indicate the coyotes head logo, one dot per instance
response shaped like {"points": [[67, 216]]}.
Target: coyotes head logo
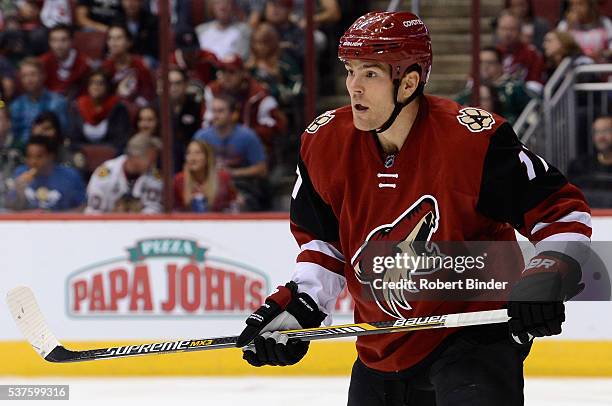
{"points": [[408, 234]]}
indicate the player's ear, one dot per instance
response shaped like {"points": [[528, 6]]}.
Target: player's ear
{"points": [[409, 84]]}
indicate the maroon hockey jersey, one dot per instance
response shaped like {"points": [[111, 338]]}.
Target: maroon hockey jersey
{"points": [[461, 175]]}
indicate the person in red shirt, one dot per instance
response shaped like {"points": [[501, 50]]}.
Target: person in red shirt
{"points": [[201, 186], [402, 172], [132, 79], [198, 63], [66, 70], [522, 61]]}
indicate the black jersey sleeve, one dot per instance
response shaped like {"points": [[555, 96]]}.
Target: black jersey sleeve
{"points": [[520, 188]]}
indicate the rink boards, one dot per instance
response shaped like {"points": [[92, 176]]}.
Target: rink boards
{"points": [[106, 281]]}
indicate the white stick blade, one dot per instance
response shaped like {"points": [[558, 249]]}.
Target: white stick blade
{"points": [[26, 313]]}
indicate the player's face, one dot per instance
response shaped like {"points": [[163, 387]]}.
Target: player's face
{"points": [[371, 90], [195, 158], [602, 134], [60, 43]]}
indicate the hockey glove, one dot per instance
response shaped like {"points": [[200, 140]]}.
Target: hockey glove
{"points": [[285, 309], [536, 301]]}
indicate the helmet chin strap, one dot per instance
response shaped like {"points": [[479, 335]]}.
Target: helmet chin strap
{"points": [[399, 105]]}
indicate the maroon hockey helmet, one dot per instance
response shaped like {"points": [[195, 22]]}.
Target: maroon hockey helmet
{"points": [[400, 39]]}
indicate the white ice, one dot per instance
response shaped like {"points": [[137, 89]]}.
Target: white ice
{"points": [[299, 391]]}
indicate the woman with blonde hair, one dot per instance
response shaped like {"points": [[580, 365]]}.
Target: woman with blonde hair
{"points": [[201, 186]]}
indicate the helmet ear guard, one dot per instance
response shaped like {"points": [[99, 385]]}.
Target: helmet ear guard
{"points": [[399, 105]]}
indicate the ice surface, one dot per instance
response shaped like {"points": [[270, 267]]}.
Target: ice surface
{"points": [[298, 391]]}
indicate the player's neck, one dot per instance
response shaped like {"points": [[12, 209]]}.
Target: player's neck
{"points": [[394, 137]]}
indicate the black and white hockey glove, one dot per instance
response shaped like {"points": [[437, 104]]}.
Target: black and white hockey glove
{"points": [[285, 309], [536, 301]]}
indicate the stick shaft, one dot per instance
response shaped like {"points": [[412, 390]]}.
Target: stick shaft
{"points": [[30, 321]]}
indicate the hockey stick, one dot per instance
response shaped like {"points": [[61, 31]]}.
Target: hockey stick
{"points": [[22, 305]]}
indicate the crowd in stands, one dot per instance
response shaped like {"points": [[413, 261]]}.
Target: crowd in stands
{"points": [[80, 102], [80, 96], [526, 52]]}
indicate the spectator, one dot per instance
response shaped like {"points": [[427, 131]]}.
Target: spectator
{"points": [[533, 28], [13, 41], [99, 116], [523, 61], [47, 125], [66, 69], [186, 114], [201, 186], [327, 12], [43, 184], [143, 29], [593, 173], [129, 182], [224, 36], [512, 93], [238, 149], [35, 99], [180, 13], [97, 15], [9, 156], [147, 121], [131, 78], [489, 99], [282, 76], [31, 25], [592, 31], [278, 13], [559, 45], [256, 108], [198, 63], [56, 12], [7, 88]]}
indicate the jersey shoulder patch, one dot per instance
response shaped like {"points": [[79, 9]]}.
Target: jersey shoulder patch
{"points": [[475, 119], [102, 172], [320, 121]]}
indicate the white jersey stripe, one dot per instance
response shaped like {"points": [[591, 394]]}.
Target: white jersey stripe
{"points": [[575, 216], [321, 284], [324, 248]]}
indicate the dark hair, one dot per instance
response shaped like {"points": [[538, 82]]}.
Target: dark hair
{"points": [[123, 27], [49, 144], [498, 54], [50, 117], [229, 100], [497, 104], [62, 27], [154, 110], [108, 82]]}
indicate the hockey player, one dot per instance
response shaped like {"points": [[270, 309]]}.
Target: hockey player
{"points": [[397, 162]]}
